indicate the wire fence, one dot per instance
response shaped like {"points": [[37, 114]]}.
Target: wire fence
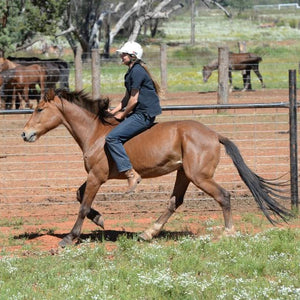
{"points": [[46, 175], [183, 71]]}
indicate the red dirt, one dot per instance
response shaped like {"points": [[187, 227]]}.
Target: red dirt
{"points": [[44, 224]]}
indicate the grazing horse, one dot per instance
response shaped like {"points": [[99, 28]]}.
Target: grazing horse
{"points": [[187, 147], [20, 80], [237, 62]]}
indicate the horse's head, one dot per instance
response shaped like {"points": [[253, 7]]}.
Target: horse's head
{"points": [[3, 65], [45, 117], [63, 107], [206, 73]]}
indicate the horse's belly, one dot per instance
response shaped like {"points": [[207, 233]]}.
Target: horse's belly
{"points": [[159, 169]]}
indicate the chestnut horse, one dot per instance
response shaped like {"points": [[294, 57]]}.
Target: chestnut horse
{"points": [[187, 147], [57, 69], [19, 80], [6, 64], [237, 62]]}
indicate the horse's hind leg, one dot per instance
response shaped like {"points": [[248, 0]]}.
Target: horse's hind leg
{"points": [[222, 196], [93, 215], [181, 185], [256, 71], [247, 80]]}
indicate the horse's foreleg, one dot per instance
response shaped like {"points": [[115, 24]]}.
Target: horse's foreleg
{"points": [[93, 215], [19, 94], [92, 186], [176, 200], [26, 96], [230, 81]]}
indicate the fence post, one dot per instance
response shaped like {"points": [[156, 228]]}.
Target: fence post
{"points": [[293, 138], [223, 89], [78, 69], [163, 68], [95, 74], [193, 22]]}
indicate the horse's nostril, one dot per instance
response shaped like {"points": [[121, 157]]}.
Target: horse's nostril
{"points": [[23, 136]]}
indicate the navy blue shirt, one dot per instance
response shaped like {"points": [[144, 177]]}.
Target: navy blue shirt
{"points": [[148, 101]]}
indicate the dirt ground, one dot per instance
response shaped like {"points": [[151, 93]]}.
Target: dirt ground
{"points": [[28, 228]]}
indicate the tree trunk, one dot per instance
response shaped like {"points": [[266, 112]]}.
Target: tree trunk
{"points": [[137, 6], [156, 14]]}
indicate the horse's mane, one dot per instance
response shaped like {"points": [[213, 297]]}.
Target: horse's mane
{"points": [[99, 107]]}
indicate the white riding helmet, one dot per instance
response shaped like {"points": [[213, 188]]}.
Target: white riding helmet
{"points": [[132, 48]]}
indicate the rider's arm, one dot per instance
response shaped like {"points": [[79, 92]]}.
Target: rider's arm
{"points": [[130, 105], [121, 105]]}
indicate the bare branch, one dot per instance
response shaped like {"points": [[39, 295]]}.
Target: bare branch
{"points": [[228, 14], [156, 14], [23, 47], [72, 28], [138, 4]]}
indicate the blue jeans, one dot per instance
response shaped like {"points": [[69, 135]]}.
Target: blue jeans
{"points": [[130, 127]]}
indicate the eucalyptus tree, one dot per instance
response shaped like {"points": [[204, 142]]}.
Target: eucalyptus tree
{"points": [[21, 20], [90, 23]]}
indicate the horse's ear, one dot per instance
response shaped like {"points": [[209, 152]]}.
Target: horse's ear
{"points": [[50, 94]]}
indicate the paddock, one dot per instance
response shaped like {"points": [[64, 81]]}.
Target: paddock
{"points": [[39, 181]]}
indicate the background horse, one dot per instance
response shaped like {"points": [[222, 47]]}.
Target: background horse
{"points": [[57, 69], [187, 147], [237, 62], [6, 64], [18, 81]]}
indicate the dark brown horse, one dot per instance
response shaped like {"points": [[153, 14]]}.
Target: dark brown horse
{"points": [[187, 147], [237, 62], [19, 80]]}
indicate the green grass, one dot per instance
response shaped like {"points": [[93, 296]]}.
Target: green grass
{"points": [[260, 266]]}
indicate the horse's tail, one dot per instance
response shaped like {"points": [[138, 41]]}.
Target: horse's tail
{"points": [[265, 192]]}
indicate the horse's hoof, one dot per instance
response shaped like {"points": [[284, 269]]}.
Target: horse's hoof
{"points": [[144, 237], [98, 220], [229, 231], [65, 242]]}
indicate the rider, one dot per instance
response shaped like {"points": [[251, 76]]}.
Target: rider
{"points": [[136, 111]]}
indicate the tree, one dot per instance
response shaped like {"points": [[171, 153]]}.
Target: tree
{"points": [[21, 20], [87, 21]]}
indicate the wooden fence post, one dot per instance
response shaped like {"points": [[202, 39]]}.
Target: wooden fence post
{"points": [[293, 139], [78, 69], [223, 88], [95, 74], [193, 22], [163, 68]]}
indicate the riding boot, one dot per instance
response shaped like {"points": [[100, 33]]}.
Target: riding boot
{"points": [[133, 179]]}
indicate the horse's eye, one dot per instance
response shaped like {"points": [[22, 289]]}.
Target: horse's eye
{"points": [[39, 109]]}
